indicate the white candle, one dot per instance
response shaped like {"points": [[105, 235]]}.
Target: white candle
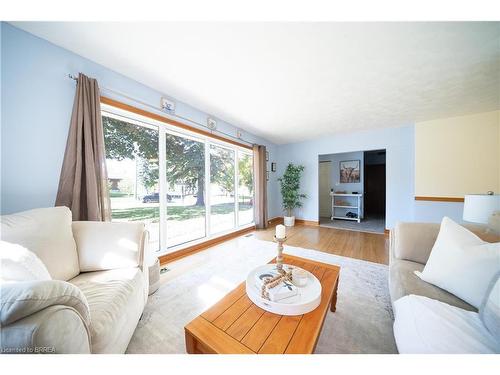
{"points": [[280, 231]]}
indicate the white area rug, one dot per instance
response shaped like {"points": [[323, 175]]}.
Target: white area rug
{"points": [[361, 324]]}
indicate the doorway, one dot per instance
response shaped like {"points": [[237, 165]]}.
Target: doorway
{"points": [[351, 190], [374, 186]]}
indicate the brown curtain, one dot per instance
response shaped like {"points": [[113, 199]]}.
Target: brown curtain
{"points": [[83, 181], [260, 185]]}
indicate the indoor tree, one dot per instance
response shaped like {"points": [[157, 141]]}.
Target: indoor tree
{"points": [[290, 185]]}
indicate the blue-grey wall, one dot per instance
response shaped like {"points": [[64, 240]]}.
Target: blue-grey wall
{"points": [[336, 159], [400, 172], [36, 102], [426, 211], [399, 144]]}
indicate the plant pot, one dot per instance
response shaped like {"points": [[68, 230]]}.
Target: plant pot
{"points": [[289, 221]]}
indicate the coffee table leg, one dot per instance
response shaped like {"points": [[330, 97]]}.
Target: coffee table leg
{"points": [[333, 305], [190, 343]]}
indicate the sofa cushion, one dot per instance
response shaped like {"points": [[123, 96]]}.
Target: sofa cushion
{"points": [[427, 326], [462, 263], [116, 301], [19, 264], [47, 232], [403, 282], [489, 312]]}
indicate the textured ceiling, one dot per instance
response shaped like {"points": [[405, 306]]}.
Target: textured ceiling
{"points": [[289, 82]]}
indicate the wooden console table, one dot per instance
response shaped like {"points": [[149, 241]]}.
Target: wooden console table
{"points": [[235, 325]]}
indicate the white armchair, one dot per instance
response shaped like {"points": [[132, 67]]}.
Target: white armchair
{"points": [[98, 289]]}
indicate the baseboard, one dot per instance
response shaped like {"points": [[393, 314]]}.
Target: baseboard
{"points": [[279, 220], [190, 250], [275, 220], [314, 223]]}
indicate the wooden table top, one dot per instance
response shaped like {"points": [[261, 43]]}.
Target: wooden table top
{"points": [[235, 325]]}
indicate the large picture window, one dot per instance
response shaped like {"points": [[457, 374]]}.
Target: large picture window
{"points": [[222, 190], [245, 188], [185, 175], [185, 186], [133, 177]]}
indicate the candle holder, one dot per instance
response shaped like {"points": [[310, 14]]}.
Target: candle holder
{"points": [[279, 257]]}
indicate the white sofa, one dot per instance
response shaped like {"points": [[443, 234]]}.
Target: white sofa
{"points": [[97, 291], [429, 319]]}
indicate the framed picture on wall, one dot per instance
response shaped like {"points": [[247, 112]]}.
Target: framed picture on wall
{"points": [[349, 171], [273, 167]]}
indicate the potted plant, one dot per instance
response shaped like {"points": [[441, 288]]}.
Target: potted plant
{"points": [[290, 185]]}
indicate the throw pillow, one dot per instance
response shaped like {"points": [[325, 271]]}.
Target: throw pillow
{"points": [[489, 312], [19, 264], [48, 233], [461, 263]]}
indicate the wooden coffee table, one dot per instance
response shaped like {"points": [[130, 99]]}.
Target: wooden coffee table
{"points": [[235, 325]]}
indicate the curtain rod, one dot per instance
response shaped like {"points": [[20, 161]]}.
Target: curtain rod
{"points": [[74, 78]]}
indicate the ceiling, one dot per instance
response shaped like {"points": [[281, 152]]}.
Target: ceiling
{"points": [[289, 82]]}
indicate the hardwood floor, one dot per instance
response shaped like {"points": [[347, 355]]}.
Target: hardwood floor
{"points": [[365, 246], [372, 247]]}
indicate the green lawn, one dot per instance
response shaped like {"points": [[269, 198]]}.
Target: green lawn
{"points": [[119, 194], [174, 213]]}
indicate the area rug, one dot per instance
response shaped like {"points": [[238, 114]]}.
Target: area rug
{"points": [[361, 324]]}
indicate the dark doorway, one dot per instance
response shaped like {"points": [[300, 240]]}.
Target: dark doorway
{"points": [[374, 184]]}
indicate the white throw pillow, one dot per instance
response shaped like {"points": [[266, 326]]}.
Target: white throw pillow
{"points": [[461, 263], [48, 233], [489, 312], [19, 264]]}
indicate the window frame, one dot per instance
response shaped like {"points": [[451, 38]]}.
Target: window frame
{"points": [[237, 182], [163, 128]]}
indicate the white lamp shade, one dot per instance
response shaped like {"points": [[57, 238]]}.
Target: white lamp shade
{"points": [[479, 207]]}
